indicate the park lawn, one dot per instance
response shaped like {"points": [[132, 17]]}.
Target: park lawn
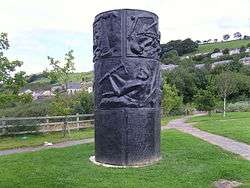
{"points": [[187, 162], [235, 125], [203, 48], [29, 140]]}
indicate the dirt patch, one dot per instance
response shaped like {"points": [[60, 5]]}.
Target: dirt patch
{"points": [[226, 184]]}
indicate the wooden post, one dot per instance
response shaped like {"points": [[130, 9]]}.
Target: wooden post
{"points": [[3, 124], [47, 122], [77, 121]]}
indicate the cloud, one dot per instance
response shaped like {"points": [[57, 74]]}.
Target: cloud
{"points": [[45, 27]]}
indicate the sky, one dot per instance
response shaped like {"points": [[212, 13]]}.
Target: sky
{"points": [[41, 28]]}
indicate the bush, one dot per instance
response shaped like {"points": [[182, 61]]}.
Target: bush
{"points": [[248, 45], [216, 50], [41, 108], [239, 107], [225, 51]]}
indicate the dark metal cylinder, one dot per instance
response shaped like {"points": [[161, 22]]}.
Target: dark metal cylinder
{"points": [[127, 87]]}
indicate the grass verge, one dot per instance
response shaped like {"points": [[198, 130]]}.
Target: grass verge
{"points": [[236, 125]]}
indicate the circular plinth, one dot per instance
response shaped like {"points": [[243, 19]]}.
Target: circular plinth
{"points": [[92, 159]]}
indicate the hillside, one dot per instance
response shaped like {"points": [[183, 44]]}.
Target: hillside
{"points": [[203, 48], [43, 83]]}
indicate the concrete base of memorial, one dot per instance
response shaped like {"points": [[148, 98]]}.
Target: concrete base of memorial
{"points": [[92, 159]]}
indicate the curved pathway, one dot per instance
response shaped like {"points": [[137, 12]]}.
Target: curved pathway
{"points": [[38, 148], [228, 144]]}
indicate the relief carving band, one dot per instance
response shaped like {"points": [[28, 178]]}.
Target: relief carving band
{"points": [[127, 87], [107, 35], [143, 37], [130, 85]]}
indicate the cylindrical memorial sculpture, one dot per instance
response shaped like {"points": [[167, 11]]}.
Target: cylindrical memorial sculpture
{"points": [[127, 87]]}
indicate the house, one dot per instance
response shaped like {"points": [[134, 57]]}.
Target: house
{"points": [[221, 63], [73, 87], [57, 88], [87, 86], [199, 66], [245, 61], [234, 51], [216, 55], [25, 91], [168, 67], [44, 94]]}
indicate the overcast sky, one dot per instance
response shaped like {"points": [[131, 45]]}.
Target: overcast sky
{"points": [[38, 28]]}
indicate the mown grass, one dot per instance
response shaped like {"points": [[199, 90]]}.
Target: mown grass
{"points": [[187, 162], [203, 48], [29, 140], [235, 125]]}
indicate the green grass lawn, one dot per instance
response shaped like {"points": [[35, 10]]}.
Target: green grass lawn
{"points": [[221, 45], [235, 125], [29, 140], [187, 162]]}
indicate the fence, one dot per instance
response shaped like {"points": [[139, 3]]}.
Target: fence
{"points": [[26, 125]]}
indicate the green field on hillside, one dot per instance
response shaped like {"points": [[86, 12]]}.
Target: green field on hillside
{"points": [[186, 162], [221, 45], [235, 125]]}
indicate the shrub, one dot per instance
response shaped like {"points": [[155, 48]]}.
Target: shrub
{"points": [[225, 51], [248, 45], [239, 106]]}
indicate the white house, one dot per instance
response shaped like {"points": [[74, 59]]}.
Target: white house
{"points": [[234, 51], [245, 61], [221, 63], [73, 87], [199, 66], [168, 67], [216, 55]]}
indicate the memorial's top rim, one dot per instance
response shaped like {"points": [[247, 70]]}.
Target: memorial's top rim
{"points": [[124, 9]]}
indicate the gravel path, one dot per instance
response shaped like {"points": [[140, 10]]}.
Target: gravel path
{"points": [[58, 145], [228, 144]]}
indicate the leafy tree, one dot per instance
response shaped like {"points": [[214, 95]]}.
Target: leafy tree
{"points": [[61, 71], [10, 80], [225, 51], [170, 99], [182, 47], [237, 35], [84, 103], [226, 37], [205, 101], [242, 49], [226, 85], [61, 105], [170, 57]]}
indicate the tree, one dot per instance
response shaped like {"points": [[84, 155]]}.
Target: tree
{"points": [[205, 101], [171, 100], [226, 85], [4, 43], [61, 72], [215, 40], [84, 103], [182, 47], [10, 80], [226, 37], [170, 57], [237, 35]]}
